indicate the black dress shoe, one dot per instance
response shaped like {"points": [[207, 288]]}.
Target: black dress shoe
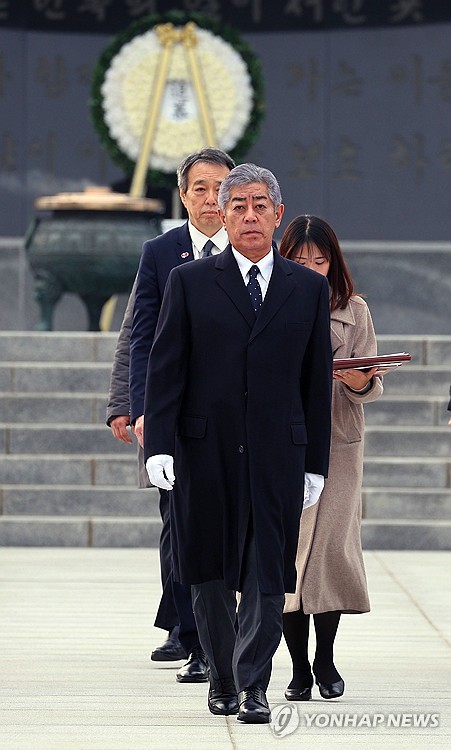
{"points": [[170, 650], [253, 706], [298, 694], [334, 690], [222, 697], [196, 668]]}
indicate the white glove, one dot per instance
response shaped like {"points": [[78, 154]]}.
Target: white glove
{"points": [[313, 487], [161, 471]]}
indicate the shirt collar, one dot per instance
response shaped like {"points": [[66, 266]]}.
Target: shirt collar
{"points": [[199, 239], [265, 264]]}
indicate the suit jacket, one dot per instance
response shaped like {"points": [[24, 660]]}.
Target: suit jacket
{"points": [[118, 395], [159, 256], [244, 406]]}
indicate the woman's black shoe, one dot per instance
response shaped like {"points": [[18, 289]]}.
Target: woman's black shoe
{"points": [[328, 679], [334, 690]]}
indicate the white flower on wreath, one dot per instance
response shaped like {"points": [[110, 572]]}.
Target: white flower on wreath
{"points": [[127, 92]]}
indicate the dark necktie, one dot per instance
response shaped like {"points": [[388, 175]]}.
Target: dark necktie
{"points": [[207, 248], [254, 289]]}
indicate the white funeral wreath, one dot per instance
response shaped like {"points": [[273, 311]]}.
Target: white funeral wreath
{"points": [[127, 90]]}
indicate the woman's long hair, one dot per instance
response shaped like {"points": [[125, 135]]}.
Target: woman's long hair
{"points": [[309, 231]]}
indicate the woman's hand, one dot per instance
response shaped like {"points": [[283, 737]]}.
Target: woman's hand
{"points": [[355, 379]]}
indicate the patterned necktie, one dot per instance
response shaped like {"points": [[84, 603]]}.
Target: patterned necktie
{"points": [[254, 289], [207, 248]]}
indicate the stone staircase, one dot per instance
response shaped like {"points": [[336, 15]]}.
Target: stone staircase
{"points": [[64, 480], [407, 472]]}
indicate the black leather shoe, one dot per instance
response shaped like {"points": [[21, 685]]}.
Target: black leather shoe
{"points": [[195, 669], [334, 690], [253, 706], [170, 650], [222, 697], [298, 694]]}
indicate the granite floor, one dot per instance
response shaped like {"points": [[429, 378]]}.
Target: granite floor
{"points": [[76, 627]]}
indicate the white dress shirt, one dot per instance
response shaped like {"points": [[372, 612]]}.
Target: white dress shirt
{"points": [[265, 266], [198, 239]]}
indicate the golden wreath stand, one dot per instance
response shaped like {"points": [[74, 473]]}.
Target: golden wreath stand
{"points": [[168, 36]]}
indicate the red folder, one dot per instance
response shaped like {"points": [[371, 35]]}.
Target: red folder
{"points": [[384, 362]]}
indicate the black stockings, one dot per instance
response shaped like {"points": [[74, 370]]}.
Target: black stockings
{"points": [[326, 625], [296, 632]]}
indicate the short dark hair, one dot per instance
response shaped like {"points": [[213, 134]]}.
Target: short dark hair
{"points": [[209, 154], [308, 231], [245, 174]]}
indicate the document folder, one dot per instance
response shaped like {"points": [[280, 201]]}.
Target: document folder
{"points": [[384, 362]]}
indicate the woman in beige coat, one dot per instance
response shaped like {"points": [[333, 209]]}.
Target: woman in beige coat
{"points": [[331, 575]]}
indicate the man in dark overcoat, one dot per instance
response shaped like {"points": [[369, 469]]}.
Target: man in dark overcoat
{"points": [[237, 410]]}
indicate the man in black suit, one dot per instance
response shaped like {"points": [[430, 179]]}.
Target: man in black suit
{"points": [[199, 177], [237, 409]]}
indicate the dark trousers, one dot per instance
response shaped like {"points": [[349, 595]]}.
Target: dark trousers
{"points": [[167, 616], [244, 653]]}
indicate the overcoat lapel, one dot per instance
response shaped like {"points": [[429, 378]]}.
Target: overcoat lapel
{"points": [[338, 320], [280, 287], [231, 281]]}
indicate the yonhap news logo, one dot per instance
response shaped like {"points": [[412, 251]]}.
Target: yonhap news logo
{"points": [[286, 719]]}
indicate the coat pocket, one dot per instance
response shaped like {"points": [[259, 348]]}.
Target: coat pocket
{"points": [[192, 427], [347, 420], [299, 434]]}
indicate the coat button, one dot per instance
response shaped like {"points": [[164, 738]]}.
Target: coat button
{"points": [[241, 449]]}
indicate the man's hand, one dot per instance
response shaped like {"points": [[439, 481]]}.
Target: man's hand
{"points": [[313, 487], [119, 428], [138, 430], [161, 471]]}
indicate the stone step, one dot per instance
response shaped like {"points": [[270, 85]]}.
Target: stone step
{"points": [[407, 535], [73, 531], [58, 408], [62, 439], [94, 378], [79, 408], [426, 350], [407, 410], [32, 377], [110, 469], [80, 346], [411, 379], [79, 469], [97, 439], [414, 503], [408, 441], [75, 500], [406, 472], [57, 346]]}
